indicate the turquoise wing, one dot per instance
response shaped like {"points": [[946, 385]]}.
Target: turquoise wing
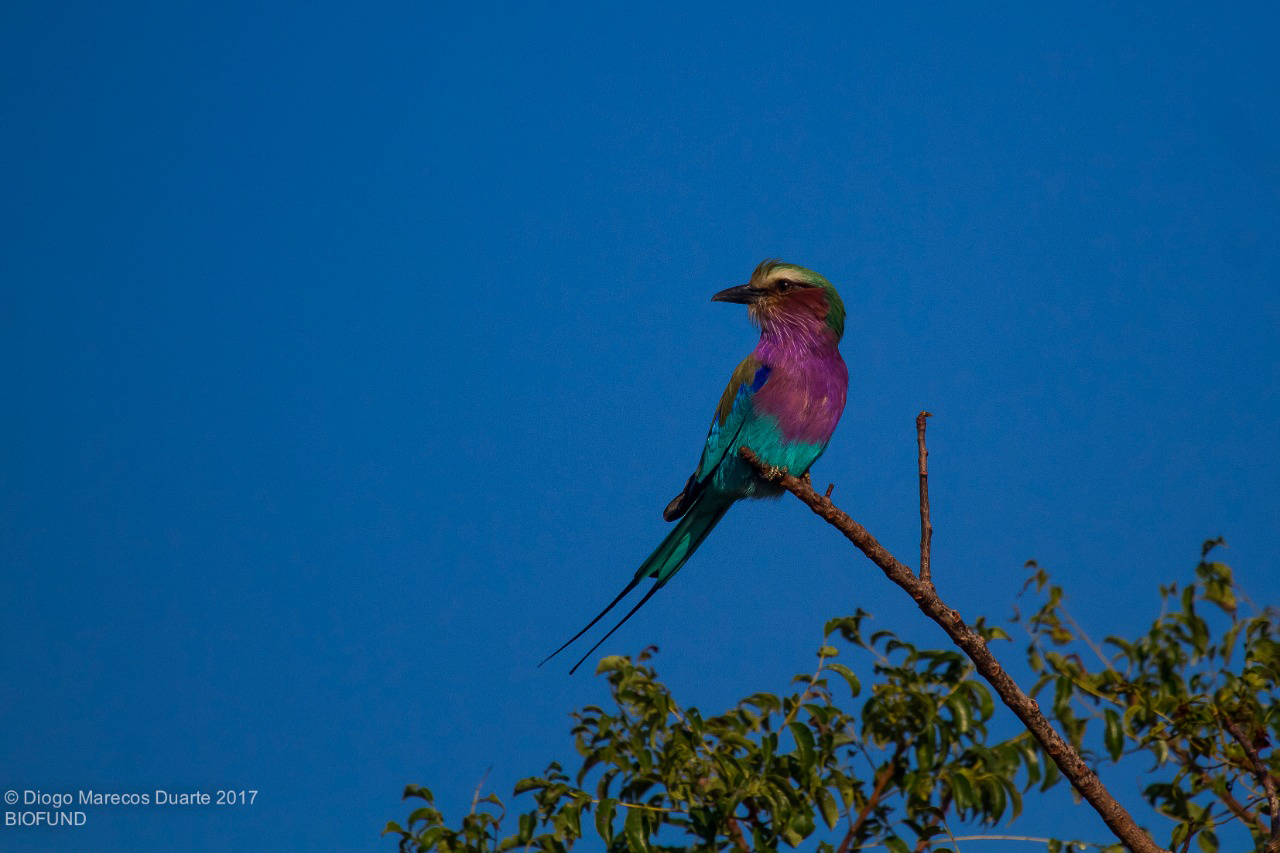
{"points": [[720, 466], [733, 415]]}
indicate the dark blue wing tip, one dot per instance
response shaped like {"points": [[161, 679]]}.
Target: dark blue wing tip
{"points": [[761, 377]]}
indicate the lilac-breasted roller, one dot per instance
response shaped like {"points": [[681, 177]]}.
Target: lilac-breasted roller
{"points": [[783, 401]]}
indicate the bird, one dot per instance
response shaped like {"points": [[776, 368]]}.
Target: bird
{"points": [[783, 401]]}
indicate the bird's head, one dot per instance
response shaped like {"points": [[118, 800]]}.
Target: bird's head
{"points": [[780, 294]]}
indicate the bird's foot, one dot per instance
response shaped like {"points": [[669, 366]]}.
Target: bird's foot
{"points": [[773, 473]]}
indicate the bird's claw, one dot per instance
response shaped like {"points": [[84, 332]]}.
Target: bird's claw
{"points": [[775, 473]]}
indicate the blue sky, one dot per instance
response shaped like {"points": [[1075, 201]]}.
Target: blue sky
{"points": [[351, 355]]}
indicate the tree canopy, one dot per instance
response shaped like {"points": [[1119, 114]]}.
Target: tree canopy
{"points": [[845, 766]]}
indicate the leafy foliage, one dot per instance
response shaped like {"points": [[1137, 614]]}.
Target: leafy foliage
{"points": [[1195, 695], [829, 767]]}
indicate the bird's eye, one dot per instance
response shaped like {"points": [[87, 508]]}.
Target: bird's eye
{"points": [[784, 286]]}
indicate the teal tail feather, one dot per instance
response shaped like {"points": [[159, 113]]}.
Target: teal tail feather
{"points": [[662, 564]]}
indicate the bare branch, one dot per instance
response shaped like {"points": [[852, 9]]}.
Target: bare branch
{"points": [[926, 527], [1073, 767], [1264, 777]]}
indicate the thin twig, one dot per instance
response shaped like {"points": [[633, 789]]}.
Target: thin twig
{"points": [[1073, 767], [735, 832], [475, 798], [925, 841], [1237, 808], [882, 781], [644, 807], [790, 717], [1191, 834], [1084, 635], [926, 527], [1264, 776], [997, 838]]}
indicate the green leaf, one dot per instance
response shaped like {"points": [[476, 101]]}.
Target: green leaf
{"points": [[802, 823], [962, 789], [530, 784], [828, 651], [420, 791], [1113, 734], [604, 818], [960, 710], [804, 744], [827, 805], [855, 687], [634, 830], [611, 663]]}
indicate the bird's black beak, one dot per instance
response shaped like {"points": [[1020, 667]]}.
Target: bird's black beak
{"points": [[743, 294]]}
